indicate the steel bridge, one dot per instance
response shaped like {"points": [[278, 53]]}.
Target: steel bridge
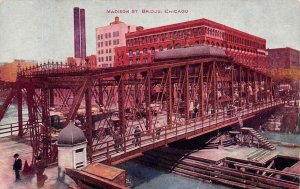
{"points": [[182, 94]]}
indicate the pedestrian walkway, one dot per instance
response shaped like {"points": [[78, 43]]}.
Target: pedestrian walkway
{"points": [[11, 145]]}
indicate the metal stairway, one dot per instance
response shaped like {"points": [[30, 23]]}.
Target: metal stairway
{"points": [[262, 140]]}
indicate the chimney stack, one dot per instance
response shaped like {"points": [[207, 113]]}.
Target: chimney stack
{"points": [[79, 33], [76, 33], [82, 33]]}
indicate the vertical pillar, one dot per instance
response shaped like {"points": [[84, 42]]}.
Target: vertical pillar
{"points": [[148, 102], [31, 122], [89, 124], [51, 91], [186, 95], [169, 97], [214, 87], [232, 83], [45, 130], [76, 33], [20, 114], [121, 103], [259, 88], [200, 92], [254, 87], [247, 87], [240, 87], [82, 33], [266, 89], [271, 90], [100, 94]]}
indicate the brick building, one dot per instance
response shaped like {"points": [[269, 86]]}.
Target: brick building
{"points": [[109, 37], [142, 44], [284, 58]]}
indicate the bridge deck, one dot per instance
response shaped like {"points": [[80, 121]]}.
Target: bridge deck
{"points": [[106, 152]]}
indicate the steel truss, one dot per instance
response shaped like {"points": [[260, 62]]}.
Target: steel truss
{"points": [[172, 93]]}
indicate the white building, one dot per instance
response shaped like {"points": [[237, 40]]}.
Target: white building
{"points": [[109, 37]]}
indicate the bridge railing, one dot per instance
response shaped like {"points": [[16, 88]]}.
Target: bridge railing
{"points": [[51, 68], [12, 128], [114, 147]]}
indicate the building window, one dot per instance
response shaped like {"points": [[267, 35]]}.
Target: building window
{"points": [[101, 51], [98, 52], [161, 48], [137, 51], [152, 49], [109, 50], [169, 47], [105, 35], [138, 61], [101, 44], [98, 37], [99, 59], [106, 43], [106, 51], [106, 58], [101, 36], [109, 35], [130, 61], [102, 59], [109, 42], [98, 44], [109, 58], [144, 51], [130, 52]]}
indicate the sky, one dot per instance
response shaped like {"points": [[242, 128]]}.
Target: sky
{"points": [[42, 30]]}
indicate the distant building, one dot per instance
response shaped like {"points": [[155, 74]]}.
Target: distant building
{"points": [[109, 37], [142, 45], [8, 71], [284, 58]]}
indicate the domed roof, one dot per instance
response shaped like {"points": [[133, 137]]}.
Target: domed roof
{"points": [[190, 52], [70, 136]]}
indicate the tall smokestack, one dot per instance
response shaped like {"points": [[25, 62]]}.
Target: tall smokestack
{"points": [[76, 33], [82, 33]]}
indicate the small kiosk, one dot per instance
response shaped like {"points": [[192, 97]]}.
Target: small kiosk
{"points": [[72, 145]]}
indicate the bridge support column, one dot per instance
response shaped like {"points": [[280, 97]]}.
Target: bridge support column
{"points": [[31, 122], [232, 83], [51, 91], [89, 124], [100, 94], [148, 101], [186, 96], [121, 103], [214, 87], [45, 131], [254, 87], [169, 97], [247, 87], [240, 87], [200, 92], [20, 114]]}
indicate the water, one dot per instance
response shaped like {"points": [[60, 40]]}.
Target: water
{"points": [[143, 177], [283, 137], [11, 116]]}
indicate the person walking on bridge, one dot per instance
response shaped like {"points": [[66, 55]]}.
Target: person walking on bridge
{"points": [[17, 167], [137, 136]]}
